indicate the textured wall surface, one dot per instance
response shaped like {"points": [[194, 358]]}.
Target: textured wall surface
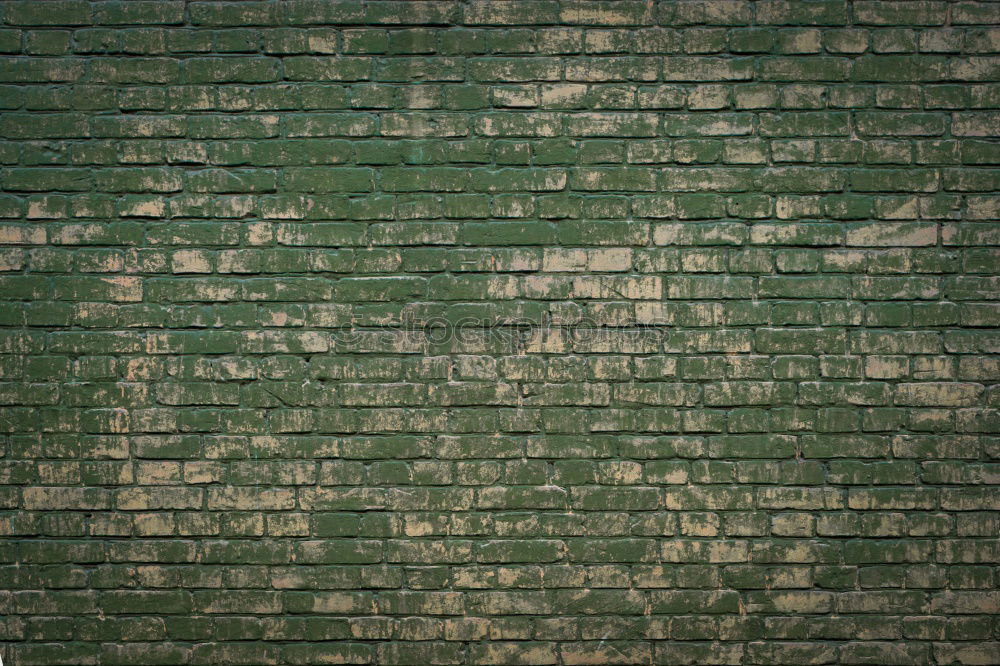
{"points": [[519, 332]]}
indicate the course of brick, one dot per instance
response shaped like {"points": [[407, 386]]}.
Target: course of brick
{"points": [[512, 332]]}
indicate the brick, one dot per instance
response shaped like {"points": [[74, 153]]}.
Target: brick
{"points": [[797, 12], [892, 234], [60, 13], [515, 332], [511, 12], [704, 68], [938, 393], [878, 12]]}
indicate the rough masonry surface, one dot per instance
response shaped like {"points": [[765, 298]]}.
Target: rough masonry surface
{"points": [[512, 332]]}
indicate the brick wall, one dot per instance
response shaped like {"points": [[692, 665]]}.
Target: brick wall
{"points": [[514, 332]]}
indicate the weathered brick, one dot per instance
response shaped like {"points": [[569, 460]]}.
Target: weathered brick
{"points": [[515, 332]]}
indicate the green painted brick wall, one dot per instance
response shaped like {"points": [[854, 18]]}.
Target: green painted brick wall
{"points": [[513, 332]]}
